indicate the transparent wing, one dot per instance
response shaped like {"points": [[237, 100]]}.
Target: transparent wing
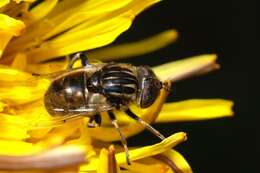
{"points": [[56, 121], [51, 76], [37, 122], [71, 115]]}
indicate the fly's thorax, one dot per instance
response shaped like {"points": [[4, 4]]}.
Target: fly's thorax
{"points": [[117, 82]]}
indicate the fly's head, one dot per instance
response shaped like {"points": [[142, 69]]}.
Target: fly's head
{"points": [[149, 87]]}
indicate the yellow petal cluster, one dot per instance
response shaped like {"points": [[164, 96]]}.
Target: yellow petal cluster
{"points": [[80, 25], [9, 27], [140, 156], [31, 140]]}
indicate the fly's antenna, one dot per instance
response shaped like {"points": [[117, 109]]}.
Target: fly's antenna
{"points": [[122, 137], [166, 86], [145, 124]]}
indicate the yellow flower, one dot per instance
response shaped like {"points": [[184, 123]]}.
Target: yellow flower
{"points": [[32, 34]]}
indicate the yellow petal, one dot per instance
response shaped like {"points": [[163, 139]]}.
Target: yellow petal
{"points": [[178, 160], [5, 38], [47, 68], [152, 150], [148, 115], [180, 69], [17, 87], [168, 162], [10, 75], [18, 94], [3, 2], [64, 16], [70, 43], [195, 109], [19, 62], [147, 165], [17, 126], [67, 130], [12, 132], [103, 162], [8, 147], [54, 158], [136, 48], [42, 9], [25, 116], [142, 152], [87, 10], [35, 115], [2, 106], [98, 31], [84, 137], [18, 1], [107, 162], [9, 27]]}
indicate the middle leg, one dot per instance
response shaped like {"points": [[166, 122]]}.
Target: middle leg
{"points": [[145, 124]]}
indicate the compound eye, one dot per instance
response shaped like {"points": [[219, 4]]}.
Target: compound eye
{"points": [[150, 92], [158, 84]]}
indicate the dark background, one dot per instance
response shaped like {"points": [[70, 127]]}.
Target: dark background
{"points": [[227, 28]]}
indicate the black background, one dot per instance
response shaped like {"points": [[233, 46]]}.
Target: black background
{"points": [[224, 27]]}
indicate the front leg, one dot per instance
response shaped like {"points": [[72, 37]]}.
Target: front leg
{"points": [[145, 124], [74, 57], [122, 136]]}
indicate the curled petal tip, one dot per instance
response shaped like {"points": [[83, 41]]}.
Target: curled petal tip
{"points": [[181, 136], [172, 33], [182, 69], [112, 165], [195, 109], [111, 149], [54, 158], [185, 137]]}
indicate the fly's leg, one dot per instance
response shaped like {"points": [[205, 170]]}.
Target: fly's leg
{"points": [[94, 121], [74, 57], [145, 124], [123, 139]]}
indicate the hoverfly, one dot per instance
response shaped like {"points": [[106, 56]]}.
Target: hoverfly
{"points": [[96, 88]]}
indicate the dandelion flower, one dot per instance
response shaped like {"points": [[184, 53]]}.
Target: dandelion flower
{"points": [[33, 34]]}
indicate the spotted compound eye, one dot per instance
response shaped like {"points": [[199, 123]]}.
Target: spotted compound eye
{"points": [[158, 84], [149, 87]]}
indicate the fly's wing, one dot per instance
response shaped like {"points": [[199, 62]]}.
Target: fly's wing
{"points": [[88, 69], [36, 122], [71, 115], [54, 121], [51, 76], [43, 121]]}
